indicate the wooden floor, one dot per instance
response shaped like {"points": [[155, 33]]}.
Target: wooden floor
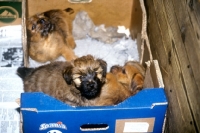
{"points": [[174, 34]]}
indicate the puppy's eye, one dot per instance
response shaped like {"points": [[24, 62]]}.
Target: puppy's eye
{"points": [[42, 21], [123, 71], [81, 77], [33, 27]]}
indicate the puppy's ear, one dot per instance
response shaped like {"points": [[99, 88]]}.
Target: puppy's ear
{"points": [[137, 82], [23, 72], [69, 10], [67, 75], [103, 64]]}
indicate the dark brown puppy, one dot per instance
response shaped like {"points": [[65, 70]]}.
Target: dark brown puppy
{"points": [[50, 35], [87, 75], [49, 79], [121, 83], [85, 78]]}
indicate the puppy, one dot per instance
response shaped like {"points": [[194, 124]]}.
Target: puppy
{"points": [[131, 74], [87, 75], [50, 35], [49, 79], [73, 83], [121, 83]]}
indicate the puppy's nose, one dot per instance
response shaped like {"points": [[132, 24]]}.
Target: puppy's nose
{"points": [[91, 84], [91, 80]]}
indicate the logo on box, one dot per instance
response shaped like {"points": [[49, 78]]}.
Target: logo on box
{"points": [[8, 14], [59, 124]]}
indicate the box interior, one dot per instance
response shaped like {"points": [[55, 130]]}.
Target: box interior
{"points": [[128, 14]]}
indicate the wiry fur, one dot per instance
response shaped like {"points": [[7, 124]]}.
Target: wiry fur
{"points": [[50, 35], [121, 83], [49, 79], [73, 83], [88, 75]]}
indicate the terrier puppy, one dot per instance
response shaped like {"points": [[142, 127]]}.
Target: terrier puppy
{"points": [[87, 75], [50, 35], [73, 83], [131, 74], [121, 83], [49, 79]]}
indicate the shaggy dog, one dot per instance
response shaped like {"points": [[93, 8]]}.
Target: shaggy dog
{"points": [[50, 35], [87, 75], [73, 83]]}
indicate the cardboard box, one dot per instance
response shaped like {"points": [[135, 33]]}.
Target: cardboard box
{"points": [[10, 13], [144, 112]]}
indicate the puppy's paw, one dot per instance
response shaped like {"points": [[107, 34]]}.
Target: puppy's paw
{"points": [[115, 69]]}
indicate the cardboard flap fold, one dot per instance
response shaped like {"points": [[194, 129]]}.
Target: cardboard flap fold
{"points": [[39, 101]]}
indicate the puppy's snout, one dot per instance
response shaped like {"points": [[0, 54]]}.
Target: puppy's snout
{"points": [[91, 84], [42, 21]]}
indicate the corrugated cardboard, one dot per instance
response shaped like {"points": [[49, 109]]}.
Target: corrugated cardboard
{"points": [[144, 112]]}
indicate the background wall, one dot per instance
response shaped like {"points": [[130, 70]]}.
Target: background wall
{"points": [[174, 34]]}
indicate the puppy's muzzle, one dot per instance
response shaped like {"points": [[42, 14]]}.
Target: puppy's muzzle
{"points": [[91, 84], [46, 26]]}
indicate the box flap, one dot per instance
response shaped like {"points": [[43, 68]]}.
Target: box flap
{"points": [[38, 101]]}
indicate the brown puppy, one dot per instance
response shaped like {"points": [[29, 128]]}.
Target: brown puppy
{"points": [[87, 75], [85, 78], [50, 35], [49, 79], [112, 93], [121, 83], [131, 74]]}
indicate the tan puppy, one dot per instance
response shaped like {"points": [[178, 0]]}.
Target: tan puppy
{"points": [[121, 83], [87, 75], [131, 74], [50, 35]]}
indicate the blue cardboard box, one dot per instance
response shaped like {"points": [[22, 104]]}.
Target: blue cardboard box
{"points": [[143, 112]]}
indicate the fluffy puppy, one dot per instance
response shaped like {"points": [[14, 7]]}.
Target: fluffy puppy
{"points": [[87, 75], [131, 74], [50, 35], [121, 83], [112, 93], [49, 79]]}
